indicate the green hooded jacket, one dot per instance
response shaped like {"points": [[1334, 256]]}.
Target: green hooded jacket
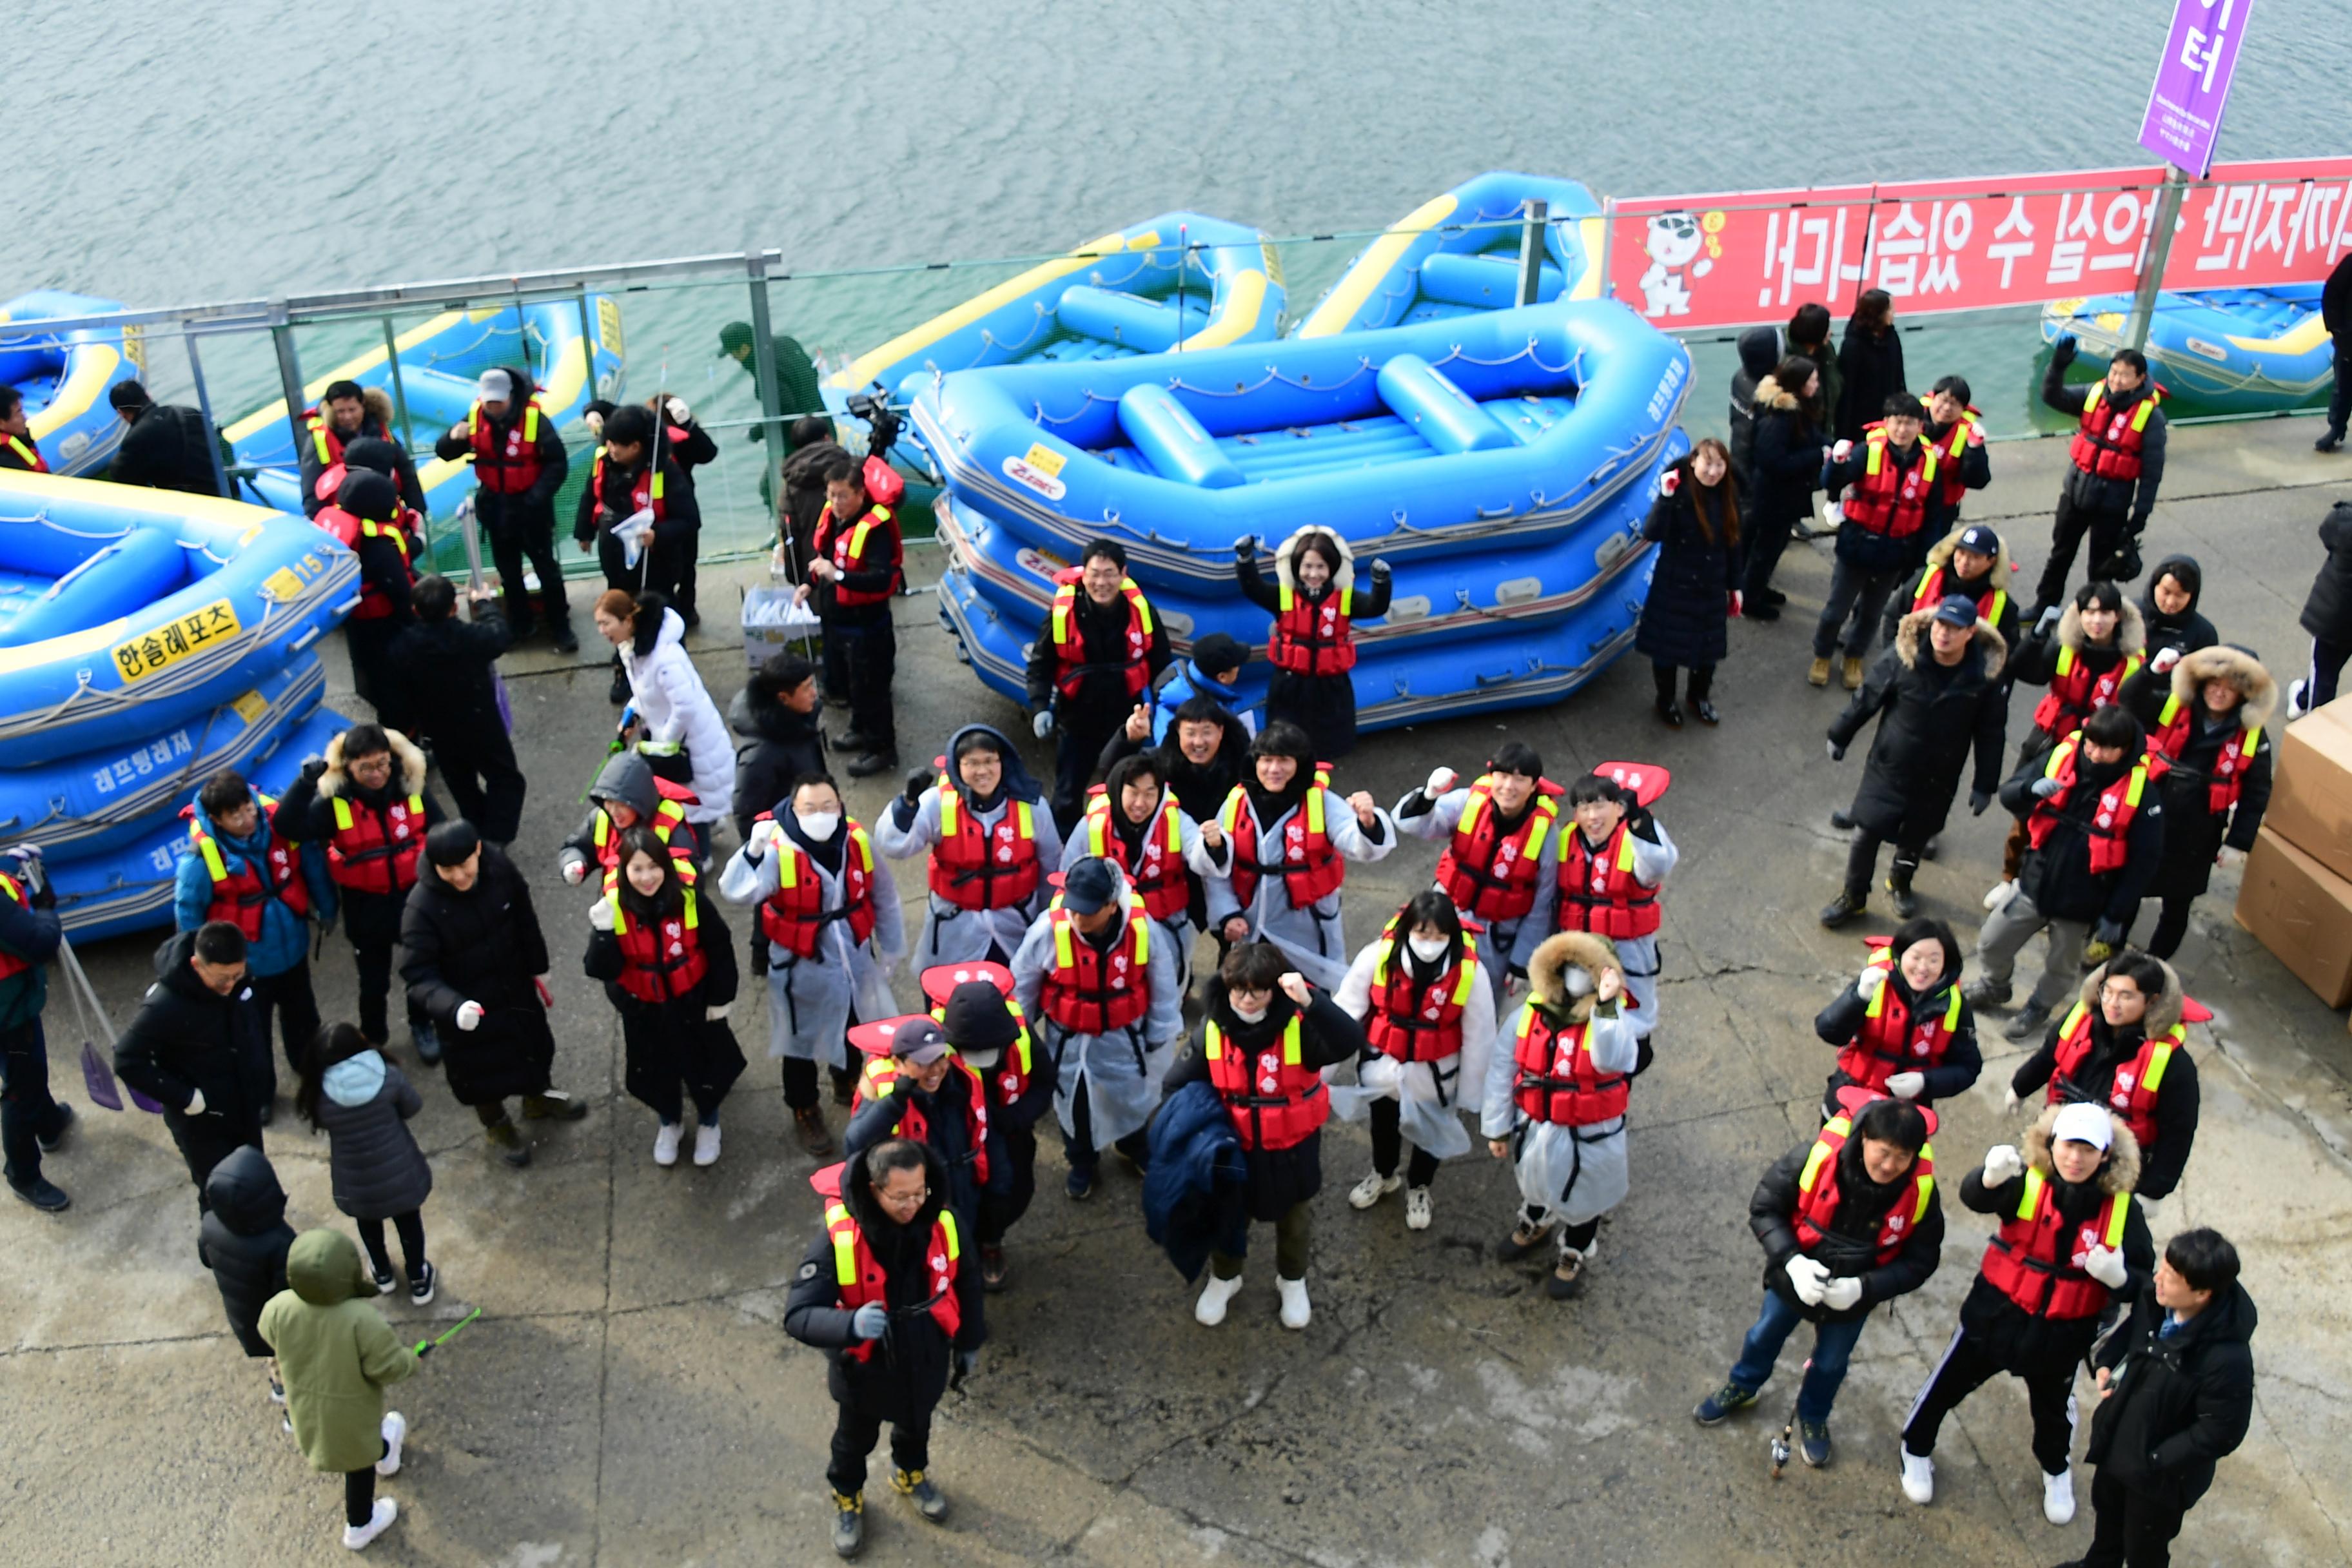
{"points": [[335, 1353]]}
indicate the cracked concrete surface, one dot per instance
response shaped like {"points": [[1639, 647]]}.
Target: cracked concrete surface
{"points": [[628, 1397]]}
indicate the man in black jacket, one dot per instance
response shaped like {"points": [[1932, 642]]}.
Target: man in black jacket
{"points": [[776, 715], [348, 415], [1759, 351], [2118, 462], [198, 1048], [1933, 705], [31, 1121], [451, 667], [1095, 656], [519, 465], [2097, 828], [2176, 1392], [2326, 615], [633, 472], [856, 569], [167, 447], [1847, 1220], [1891, 491], [1206, 753], [2336, 315], [2106, 1054]]}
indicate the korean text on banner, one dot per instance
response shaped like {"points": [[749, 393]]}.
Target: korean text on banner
{"points": [[2193, 82]]}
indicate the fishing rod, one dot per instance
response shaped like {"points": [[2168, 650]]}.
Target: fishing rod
{"points": [[426, 1347]]}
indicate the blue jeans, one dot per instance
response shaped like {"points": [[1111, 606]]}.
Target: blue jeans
{"points": [[1832, 1347]]}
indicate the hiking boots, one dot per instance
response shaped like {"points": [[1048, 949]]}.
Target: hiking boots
{"points": [[2028, 1022], [1898, 883], [1722, 1403], [1566, 1280], [1985, 993], [1843, 908], [873, 763], [2094, 953], [1852, 673], [508, 1140], [848, 1524], [1818, 672], [929, 1501], [808, 1123], [554, 1106]]}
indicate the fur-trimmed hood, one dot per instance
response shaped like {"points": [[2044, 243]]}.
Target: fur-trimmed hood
{"points": [[2240, 669], [2131, 629], [1913, 628], [1940, 553], [2119, 1174], [2163, 1012], [1771, 394], [378, 403], [1548, 970], [1286, 554], [408, 779]]}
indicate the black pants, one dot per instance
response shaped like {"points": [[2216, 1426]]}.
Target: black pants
{"points": [[1702, 681], [2327, 664], [513, 538], [666, 1099], [2339, 404], [27, 1113], [1079, 1144], [374, 957], [206, 1139], [1078, 746], [1857, 598], [411, 1227], [2171, 925], [1388, 1143], [1862, 862], [2106, 532], [800, 1081], [359, 1493], [660, 565], [1000, 1211], [288, 993], [868, 652], [832, 683], [1966, 1366], [1572, 1237], [1764, 548], [2131, 1528], [484, 781], [855, 1433]]}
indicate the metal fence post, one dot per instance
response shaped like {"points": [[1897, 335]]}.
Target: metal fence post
{"points": [[2160, 249], [771, 403], [399, 392], [289, 372], [1531, 250], [205, 403]]}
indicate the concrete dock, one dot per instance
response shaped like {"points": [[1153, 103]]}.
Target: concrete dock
{"points": [[628, 1397]]}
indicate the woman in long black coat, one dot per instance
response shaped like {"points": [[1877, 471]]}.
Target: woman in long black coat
{"points": [[1791, 446], [475, 960], [1870, 363], [1694, 522]]}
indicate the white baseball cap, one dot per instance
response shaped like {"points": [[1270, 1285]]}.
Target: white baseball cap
{"points": [[2083, 1123], [495, 387]]}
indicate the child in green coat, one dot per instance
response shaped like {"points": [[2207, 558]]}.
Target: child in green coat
{"points": [[335, 1355]]}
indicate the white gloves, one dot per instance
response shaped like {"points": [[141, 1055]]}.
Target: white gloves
{"points": [[575, 868], [2106, 1265], [196, 1106], [1808, 1279], [1842, 451], [766, 836], [1441, 780], [1669, 482], [712, 1015], [2164, 661], [1042, 725], [1866, 984], [1907, 1085], [2009, 1102], [2228, 857], [599, 914], [676, 408], [870, 1320], [1842, 1293], [2003, 1163], [469, 1017]]}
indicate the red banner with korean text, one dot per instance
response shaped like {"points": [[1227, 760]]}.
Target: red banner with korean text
{"points": [[1741, 257]]}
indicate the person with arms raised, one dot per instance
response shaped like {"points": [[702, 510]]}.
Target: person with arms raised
{"points": [[991, 843], [519, 465], [1095, 657], [2115, 465]]}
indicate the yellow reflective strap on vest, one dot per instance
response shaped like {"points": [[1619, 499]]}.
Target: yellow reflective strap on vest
{"points": [[1546, 812], [1624, 848], [1823, 1151], [865, 848], [1064, 597], [1877, 444], [1024, 820], [2254, 742], [2060, 754], [1063, 957], [530, 420], [2157, 1058], [2139, 783], [1212, 1042], [1347, 602], [2031, 1203], [788, 868], [1381, 963], [1927, 1187], [1140, 924], [955, 1241], [951, 805], [213, 866], [1284, 599], [2073, 1016], [1315, 809], [844, 1244], [857, 535], [1469, 969], [2115, 1234], [693, 911], [318, 440], [1470, 810], [620, 916], [342, 815], [1097, 828], [2170, 711], [1952, 1012], [2091, 399], [1142, 605], [1290, 1042], [2139, 415]]}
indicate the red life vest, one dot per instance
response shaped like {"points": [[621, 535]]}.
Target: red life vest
{"points": [[1931, 590], [1311, 636], [12, 963], [1090, 992], [1310, 868], [1951, 449], [2075, 693], [857, 1273], [243, 895], [2035, 1259], [2109, 443], [2118, 804], [1277, 1101], [1158, 874], [28, 452], [1071, 667], [881, 1077], [374, 851], [1413, 1021], [1817, 1194], [845, 548], [976, 868], [508, 464], [349, 529], [2228, 779], [1891, 1040], [646, 490], [1600, 893], [1890, 500], [2133, 1092], [794, 916], [669, 816], [663, 961], [1490, 874], [1557, 1079], [325, 440]]}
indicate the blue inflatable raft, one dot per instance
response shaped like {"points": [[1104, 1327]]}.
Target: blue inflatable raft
{"points": [[65, 377], [2227, 351], [1459, 253]]}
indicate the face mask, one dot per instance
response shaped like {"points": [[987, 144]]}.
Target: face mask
{"points": [[1428, 949], [1578, 981], [819, 824], [1248, 1014]]}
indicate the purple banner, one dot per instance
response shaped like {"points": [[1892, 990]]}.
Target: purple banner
{"points": [[2193, 82]]}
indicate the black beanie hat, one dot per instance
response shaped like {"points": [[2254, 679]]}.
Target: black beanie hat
{"points": [[372, 453], [369, 496], [978, 1019]]}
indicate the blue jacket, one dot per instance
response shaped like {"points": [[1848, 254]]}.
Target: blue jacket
{"points": [[285, 936], [1185, 682], [1193, 1189]]}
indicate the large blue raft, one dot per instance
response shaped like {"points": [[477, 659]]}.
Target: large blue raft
{"points": [[65, 377], [2222, 351]]}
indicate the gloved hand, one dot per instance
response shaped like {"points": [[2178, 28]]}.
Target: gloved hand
{"points": [[312, 768], [1441, 780], [2164, 661], [1842, 451], [2106, 1265], [1807, 1278], [1975, 434], [1842, 1293], [869, 1321], [676, 408], [1245, 548], [712, 1015], [599, 914], [918, 781], [2009, 1102], [2003, 1163], [1380, 573], [575, 868], [2045, 788], [1837, 753], [1738, 602], [1907, 1085], [1670, 481], [2108, 932], [1043, 724], [469, 1017], [2227, 857], [2062, 350], [2048, 619], [756, 433], [1867, 984], [196, 1106], [1977, 800]]}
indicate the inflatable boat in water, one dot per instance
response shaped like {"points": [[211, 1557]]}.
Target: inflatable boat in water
{"points": [[65, 377], [2223, 351]]}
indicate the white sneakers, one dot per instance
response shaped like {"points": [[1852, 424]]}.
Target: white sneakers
{"points": [[2058, 1496], [705, 1145], [1371, 1190], [395, 1429], [1919, 1477], [358, 1535], [1210, 1310], [1998, 899], [1295, 1309], [1416, 1209], [2295, 706], [666, 1142]]}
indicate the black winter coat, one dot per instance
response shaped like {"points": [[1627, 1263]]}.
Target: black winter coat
{"points": [[378, 1170], [948, 1131], [2193, 834], [1930, 720], [779, 747], [2179, 1099], [1851, 1247], [1279, 1179], [1841, 1020], [1869, 368], [2175, 1406], [186, 1040], [2057, 876], [452, 664], [243, 1240], [2187, 631], [663, 1042], [168, 448], [535, 507], [307, 815], [1200, 790], [1759, 351], [1868, 551], [1787, 458], [596, 514], [1102, 703], [2327, 609], [481, 945], [1683, 620], [2137, 497]]}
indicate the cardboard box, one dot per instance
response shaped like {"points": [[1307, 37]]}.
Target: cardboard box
{"points": [[2302, 912], [2311, 792]]}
